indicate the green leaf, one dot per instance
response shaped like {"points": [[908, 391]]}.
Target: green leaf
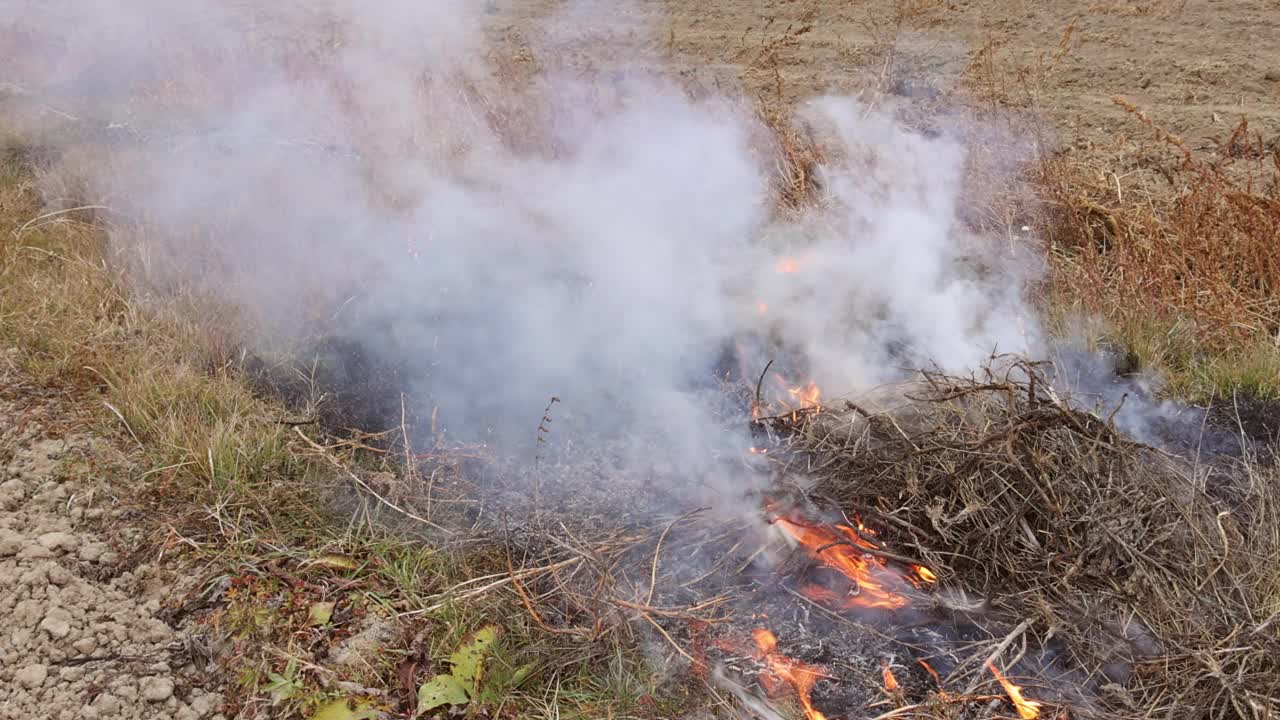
{"points": [[320, 614], [284, 686], [441, 690], [521, 674], [336, 561], [341, 710], [499, 682], [468, 659]]}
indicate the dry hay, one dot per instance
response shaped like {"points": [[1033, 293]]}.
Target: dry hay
{"points": [[1159, 572]]}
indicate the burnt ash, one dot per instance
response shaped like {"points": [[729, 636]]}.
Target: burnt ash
{"points": [[695, 524], [853, 646]]}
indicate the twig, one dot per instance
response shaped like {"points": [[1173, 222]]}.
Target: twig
{"points": [[133, 435], [1262, 627], [543, 429], [680, 650], [413, 516], [757, 407], [524, 596], [18, 232], [680, 614], [504, 579], [84, 660], [874, 550], [997, 652], [653, 571]]}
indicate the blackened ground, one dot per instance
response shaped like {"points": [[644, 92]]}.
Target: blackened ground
{"points": [[852, 649], [346, 386], [1110, 386], [1253, 417]]}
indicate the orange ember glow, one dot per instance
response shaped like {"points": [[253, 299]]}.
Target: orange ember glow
{"points": [[762, 308], [840, 552], [932, 673], [1027, 709], [787, 266], [808, 395], [798, 675], [890, 682]]}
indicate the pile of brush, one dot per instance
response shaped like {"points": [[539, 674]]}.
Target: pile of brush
{"points": [[1158, 574]]}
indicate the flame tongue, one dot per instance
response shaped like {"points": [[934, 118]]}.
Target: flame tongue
{"points": [[890, 682], [841, 551], [1027, 709], [798, 675]]}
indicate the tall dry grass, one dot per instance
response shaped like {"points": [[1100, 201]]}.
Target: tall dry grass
{"points": [[1186, 269]]}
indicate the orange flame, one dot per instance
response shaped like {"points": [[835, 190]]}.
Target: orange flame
{"points": [[925, 574], [934, 673], [868, 573], [800, 676], [787, 266], [890, 682], [1027, 709], [762, 307], [808, 395]]}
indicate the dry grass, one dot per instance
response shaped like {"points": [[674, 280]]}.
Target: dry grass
{"points": [[1187, 274], [266, 524], [1186, 277], [1160, 574]]}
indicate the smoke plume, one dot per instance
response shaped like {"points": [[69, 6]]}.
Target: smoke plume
{"points": [[589, 230]]}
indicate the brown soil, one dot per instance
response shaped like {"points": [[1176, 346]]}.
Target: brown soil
{"points": [[1197, 67], [82, 591]]}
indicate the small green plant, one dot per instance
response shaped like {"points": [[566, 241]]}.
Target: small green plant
{"points": [[468, 681], [285, 686], [346, 709]]}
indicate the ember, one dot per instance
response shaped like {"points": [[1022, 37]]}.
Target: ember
{"points": [[800, 676], [787, 266], [1027, 709], [890, 682], [849, 553], [807, 395]]}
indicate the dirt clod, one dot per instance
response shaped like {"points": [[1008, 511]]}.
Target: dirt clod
{"points": [[32, 676], [75, 645], [157, 689]]}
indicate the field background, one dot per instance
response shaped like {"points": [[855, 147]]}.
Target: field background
{"points": [[1153, 195], [1196, 66]]}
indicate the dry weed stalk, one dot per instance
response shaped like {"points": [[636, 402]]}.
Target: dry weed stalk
{"points": [[1202, 255], [1140, 560]]}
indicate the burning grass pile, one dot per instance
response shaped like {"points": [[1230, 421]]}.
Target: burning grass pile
{"points": [[1153, 576]]}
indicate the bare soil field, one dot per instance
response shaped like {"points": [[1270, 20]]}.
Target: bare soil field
{"points": [[1195, 66], [84, 593]]}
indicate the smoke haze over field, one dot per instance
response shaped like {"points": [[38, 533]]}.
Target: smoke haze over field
{"points": [[363, 171]]}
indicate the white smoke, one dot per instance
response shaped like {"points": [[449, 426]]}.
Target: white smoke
{"points": [[365, 171]]}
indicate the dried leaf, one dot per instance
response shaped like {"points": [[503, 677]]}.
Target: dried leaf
{"points": [[405, 673]]}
